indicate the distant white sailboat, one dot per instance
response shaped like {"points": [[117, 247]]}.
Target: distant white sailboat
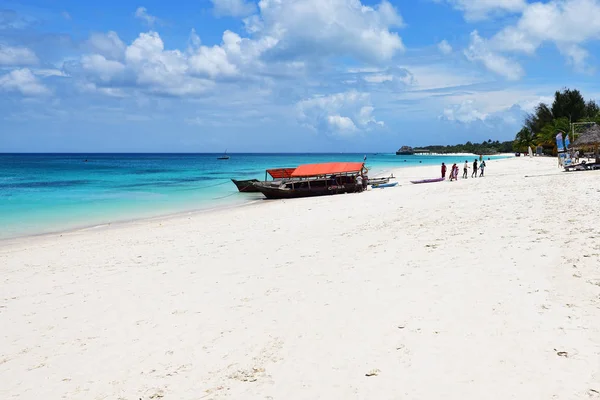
{"points": [[224, 156]]}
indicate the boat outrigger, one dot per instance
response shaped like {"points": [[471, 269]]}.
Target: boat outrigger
{"points": [[316, 180]]}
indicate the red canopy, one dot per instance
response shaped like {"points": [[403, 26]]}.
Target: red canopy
{"points": [[280, 173], [327, 169]]}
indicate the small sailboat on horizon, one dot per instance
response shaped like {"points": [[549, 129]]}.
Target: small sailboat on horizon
{"points": [[224, 156]]}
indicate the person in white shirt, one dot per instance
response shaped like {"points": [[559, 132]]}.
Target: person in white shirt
{"points": [[359, 183], [466, 169]]}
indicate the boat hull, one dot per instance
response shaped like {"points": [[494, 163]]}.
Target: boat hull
{"points": [[274, 192], [384, 185], [245, 186], [428, 180]]}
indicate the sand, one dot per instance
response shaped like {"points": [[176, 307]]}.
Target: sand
{"points": [[485, 288]]}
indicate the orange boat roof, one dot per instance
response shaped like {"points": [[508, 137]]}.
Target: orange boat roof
{"points": [[327, 168], [280, 173]]}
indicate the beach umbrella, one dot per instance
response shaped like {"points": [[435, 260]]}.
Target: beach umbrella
{"points": [[589, 138]]}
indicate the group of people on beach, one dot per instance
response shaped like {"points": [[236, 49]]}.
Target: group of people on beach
{"points": [[454, 170]]}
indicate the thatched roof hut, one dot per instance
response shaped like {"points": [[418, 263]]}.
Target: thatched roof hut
{"points": [[589, 138]]}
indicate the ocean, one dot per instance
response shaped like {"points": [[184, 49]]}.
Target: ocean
{"points": [[41, 193]]}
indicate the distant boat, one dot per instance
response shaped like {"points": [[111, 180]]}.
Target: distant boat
{"points": [[428, 180], [224, 156]]}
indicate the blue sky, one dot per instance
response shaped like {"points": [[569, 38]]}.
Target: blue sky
{"points": [[284, 75]]}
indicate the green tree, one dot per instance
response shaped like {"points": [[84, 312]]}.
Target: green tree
{"points": [[547, 136], [569, 104], [592, 110], [541, 116], [524, 139]]}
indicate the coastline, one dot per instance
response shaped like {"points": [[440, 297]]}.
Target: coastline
{"points": [[404, 172], [40, 218], [457, 290]]}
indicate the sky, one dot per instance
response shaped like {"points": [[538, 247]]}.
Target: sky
{"points": [[284, 75]]}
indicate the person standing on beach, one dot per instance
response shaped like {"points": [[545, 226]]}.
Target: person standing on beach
{"points": [[481, 167], [474, 173], [465, 169], [443, 171], [359, 184]]}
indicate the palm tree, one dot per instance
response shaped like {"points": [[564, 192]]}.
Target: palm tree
{"points": [[524, 139], [546, 137]]}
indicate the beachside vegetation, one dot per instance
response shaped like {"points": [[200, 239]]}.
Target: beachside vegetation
{"points": [[486, 148], [541, 126]]}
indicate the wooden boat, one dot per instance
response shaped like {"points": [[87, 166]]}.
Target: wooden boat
{"points": [[224, 156], [379, 181], [428, 180], [384, 185], [315, 180], [278, 175], [246, 185]]}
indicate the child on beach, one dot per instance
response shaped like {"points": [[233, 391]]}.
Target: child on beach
{"points": [[454, 172]]}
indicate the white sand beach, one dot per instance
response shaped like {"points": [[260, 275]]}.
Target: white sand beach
{"points": [[484, 288]]}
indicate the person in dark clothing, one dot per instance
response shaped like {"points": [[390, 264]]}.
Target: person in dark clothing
{"points": [[474, 173], [443, 170]]}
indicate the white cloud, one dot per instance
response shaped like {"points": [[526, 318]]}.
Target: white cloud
{"points": [[479, 50], [338, 114], [45, 72], [445, 47], [233, 8], [378, 78], [481, 9], [194, 40], [439, 76], [464, 112], [142, 13], [286, 39], [99, 66], [567, 23], [321, 28], [107, 44], [14, 56], [341, 124], [22, 81], [393, 77]]}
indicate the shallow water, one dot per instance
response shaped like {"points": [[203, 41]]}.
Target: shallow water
{"points": [[53, 192]]}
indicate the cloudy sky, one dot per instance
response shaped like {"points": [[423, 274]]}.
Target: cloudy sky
{"points": [[284, 75]]}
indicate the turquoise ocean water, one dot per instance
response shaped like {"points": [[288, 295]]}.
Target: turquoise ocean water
{"points": [[42, 193]]}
